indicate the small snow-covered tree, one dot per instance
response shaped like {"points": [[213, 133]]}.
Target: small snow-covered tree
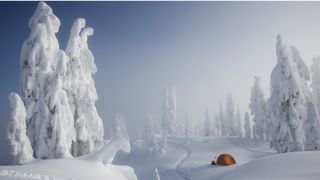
{"points": [[289, 95], [247, 125], [230, 117], [151, 125], [49, 120], [120, 129], [312, 129], [258, 110], [315, 82], [223, 123], [216, 125], [169, 111], [81, 90], [208, 130], [189, 126], [151, 133], [20, 145], [238, 125], [156, 174]]}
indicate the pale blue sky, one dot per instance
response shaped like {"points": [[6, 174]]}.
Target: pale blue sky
{"points": [[205, 49]]}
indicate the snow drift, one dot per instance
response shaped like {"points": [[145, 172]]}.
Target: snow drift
{"points": [[96, 165]]}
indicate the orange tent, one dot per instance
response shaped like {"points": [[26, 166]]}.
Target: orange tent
{"points": [[225, 160]]}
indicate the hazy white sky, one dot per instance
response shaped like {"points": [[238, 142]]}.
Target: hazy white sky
{"points": [[206, 50]]}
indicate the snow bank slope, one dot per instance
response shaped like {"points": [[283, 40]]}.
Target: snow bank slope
{"points": [[293, 166]]}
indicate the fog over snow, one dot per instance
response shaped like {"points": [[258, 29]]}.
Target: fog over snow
{"points": [[204, 49]]}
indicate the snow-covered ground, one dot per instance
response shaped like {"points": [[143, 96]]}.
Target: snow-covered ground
{"points": [[184, 160], [65, 169], [191, 160]]}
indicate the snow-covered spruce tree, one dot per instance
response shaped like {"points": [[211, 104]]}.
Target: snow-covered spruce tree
{"points": [[151, 133], [238, 124], [189, 126], [49, 120], [169, 111], [120, 130], [81, 90], [289, 97], [155, 175], [315, 82], [21, 149], [247, 125], [258, 109], [312, 129], [216, 125], [223, 124], [230, 116], [208, 130], [269, 121], [151, 125]]}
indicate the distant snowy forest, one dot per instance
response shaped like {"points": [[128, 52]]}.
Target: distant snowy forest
{"points": [[288, 119], [54, 115]]}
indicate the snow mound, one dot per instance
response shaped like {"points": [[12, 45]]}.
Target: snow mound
{"points": [[96, 165], [293, 166]]}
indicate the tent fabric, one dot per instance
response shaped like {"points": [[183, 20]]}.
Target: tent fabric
{"points": [[225, 160]]}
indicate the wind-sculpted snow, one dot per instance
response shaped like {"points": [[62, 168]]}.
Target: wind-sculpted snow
{"points": [[119, 141], [108, 150]]}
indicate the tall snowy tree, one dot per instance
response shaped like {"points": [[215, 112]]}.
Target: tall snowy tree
{"points": [[312, 129], [230, 116], [258, 109], [81, 90], [315, 82], [223, 123], [20, 145], [247, 125], [169, 111], [238, 125], [216, 125], [50, 125], [208, 130], [289, 96]]}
